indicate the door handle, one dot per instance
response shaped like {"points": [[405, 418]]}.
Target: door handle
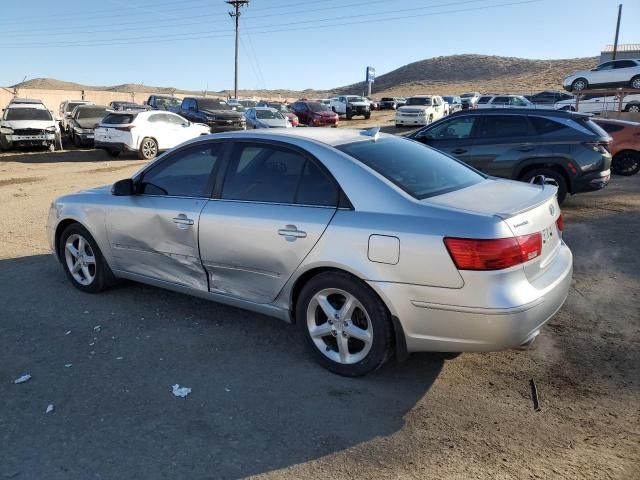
{"points": [[182, 221], [458, 151], [291, 232]]}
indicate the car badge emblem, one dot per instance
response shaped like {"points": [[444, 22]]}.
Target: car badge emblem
{"points": [[552, 210]]}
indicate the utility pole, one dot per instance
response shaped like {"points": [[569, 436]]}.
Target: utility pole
{"points": [[615, 43], [236, 4]]}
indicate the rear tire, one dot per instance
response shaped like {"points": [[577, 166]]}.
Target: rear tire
{"points": [[626, 163], [633, 108], [349, 115], [351, 343], [148, 149], [549, 173], [82, 260]]}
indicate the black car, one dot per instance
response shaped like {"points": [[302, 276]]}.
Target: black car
{"points": [[548, 97], [83, 121], [567, 148], [216, 113], [391, 103]]}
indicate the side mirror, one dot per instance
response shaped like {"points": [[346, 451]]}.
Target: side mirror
{"points": [[123, 188]]}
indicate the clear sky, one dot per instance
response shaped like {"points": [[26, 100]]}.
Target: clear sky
{"points": [[292, 44]]}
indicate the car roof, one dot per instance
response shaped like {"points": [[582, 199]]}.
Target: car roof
{"points": [[328, 136], [524, 111], [37, 106], [421, 96], [271, 109]]}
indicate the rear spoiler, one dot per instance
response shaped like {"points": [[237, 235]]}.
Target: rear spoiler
{"points": [[547, 191]]}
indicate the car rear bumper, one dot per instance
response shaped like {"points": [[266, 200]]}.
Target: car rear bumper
{"points": [[437, 319], [591, 182], [113, 146]]}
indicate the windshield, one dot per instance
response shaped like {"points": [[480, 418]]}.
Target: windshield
{"points": [[355, 99], [27, 114], [419, 101], [212, 104], [91, 113], [248, 103], [268, 115], [448, 99], [318, 107], [418, 170], [387, 99], [167, 102]]}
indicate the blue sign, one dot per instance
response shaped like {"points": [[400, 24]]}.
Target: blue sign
{"points": [[371, 74]]}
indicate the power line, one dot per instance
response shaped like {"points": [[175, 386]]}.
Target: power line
{"points": [[218, 34]]}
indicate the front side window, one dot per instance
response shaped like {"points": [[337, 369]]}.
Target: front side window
{"points": [[501, 100], [604, 66], [186, 173], [504, 126], [418, 170], [458, 128], [269, 173]]}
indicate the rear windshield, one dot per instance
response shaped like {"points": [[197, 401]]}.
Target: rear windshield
{"points": [[27, 114], [91, 112], [387, 99], [419, 170], [117, 119]]}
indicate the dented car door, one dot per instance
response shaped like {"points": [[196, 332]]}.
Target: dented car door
{"points": [[154, 233]]}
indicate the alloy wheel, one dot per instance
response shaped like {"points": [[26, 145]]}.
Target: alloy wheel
{"points": [[80, 259], [339, 326], [635, 83], [149, 148]]}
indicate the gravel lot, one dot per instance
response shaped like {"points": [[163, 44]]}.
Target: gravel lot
{"points": [[261, 407]]}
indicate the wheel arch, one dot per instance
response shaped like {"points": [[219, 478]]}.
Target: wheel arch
{"points": [[398, 335], [58, 233], [534, 164]]}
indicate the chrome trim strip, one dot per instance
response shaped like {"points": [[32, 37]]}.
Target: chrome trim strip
{"points": [[478, 310]]}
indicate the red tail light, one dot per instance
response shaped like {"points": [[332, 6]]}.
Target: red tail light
{"points": [[493, 254], [125, 129], [560, 222]]}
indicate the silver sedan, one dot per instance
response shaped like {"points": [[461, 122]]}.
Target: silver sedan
{"points": [[372, 244], [266, 117]]}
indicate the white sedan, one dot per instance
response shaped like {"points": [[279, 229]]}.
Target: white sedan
{"points": [[147, 132]]}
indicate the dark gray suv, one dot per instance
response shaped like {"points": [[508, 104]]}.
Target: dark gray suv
{"points": [[567, 148]]}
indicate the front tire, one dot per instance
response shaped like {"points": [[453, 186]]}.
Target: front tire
{"points": [[344, 323], [579, 84], [148, 149], [549, 174], [635, 82], [82, 260], [626, 163], [633, 108]]}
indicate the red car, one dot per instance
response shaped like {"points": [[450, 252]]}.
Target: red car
{"points": [[625, 148], [314, 114]]}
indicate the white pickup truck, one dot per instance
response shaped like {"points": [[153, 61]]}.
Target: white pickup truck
{"points": [[351, 106], [420, 110]]}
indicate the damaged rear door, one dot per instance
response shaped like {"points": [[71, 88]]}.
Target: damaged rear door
{"points": [[154, 233]]}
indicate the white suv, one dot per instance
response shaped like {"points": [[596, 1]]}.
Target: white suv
{"points": [[504, 101], [598, 103], [146, 132], [420, 110], [351, 105], [616, 73], [27, 123]]}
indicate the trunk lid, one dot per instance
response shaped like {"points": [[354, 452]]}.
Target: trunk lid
{"points": [[525, 208]]}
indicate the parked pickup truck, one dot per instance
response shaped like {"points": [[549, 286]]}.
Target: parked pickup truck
{"points": [[216, 113], [163, 102], [351, 106]]}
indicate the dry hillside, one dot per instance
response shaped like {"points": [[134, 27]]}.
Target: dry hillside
{"points": [[450, 74]]}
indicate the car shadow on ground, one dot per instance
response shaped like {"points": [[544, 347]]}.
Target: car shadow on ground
{"points": [[107, 363], [73, 154]]}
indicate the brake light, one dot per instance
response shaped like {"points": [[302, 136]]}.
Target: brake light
{"points": [[125, 129], [560, 223], [493, 254]]}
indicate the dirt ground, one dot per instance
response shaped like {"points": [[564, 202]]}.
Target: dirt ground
{"points": [[260, 407]]}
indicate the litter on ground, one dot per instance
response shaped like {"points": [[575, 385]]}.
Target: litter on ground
{"points": [[179, 391], [22, 379], [50, 408]]}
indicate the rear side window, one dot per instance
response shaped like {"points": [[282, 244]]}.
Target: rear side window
{"points": [[269, 173], [504, 126], [484, 99], [117, 119], [501, 100], [418, 170], [186, 173], [545, 126]]}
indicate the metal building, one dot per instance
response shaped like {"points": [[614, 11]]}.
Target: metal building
{"points": [[629, 50]]}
